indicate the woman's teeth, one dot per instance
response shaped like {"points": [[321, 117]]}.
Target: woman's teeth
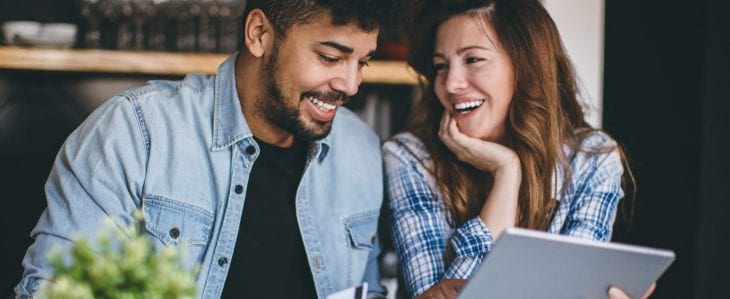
{"points": [[467, 107], [321, 105]]}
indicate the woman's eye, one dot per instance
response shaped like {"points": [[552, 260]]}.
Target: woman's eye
{"points": [[439, 66], [470, 60]]}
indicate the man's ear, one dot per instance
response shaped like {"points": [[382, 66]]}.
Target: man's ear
{"points": [[258, 33]]}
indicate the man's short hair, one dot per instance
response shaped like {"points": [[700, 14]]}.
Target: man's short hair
{"points": [[368, 15]]}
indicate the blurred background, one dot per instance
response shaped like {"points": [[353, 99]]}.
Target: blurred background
{"points": [[654, 74]]}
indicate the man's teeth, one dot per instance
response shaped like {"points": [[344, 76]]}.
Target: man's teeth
{"points": [[321, 105], [466, 107]]}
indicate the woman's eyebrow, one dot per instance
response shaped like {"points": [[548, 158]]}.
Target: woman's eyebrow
{"points": [[462, 50]]}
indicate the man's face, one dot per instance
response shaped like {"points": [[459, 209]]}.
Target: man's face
{"points": [[311, 72]]}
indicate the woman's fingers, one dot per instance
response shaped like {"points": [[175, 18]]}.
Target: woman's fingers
{"points": [[445, 289], [456, 284], [452, 137], [649, 291], [484, 155], [452, 287], [446, 132], [443, 125], [616, 293], [454, 132]]}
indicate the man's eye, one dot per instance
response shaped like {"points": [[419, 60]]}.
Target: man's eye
{"points": [[329, 59], [364, 63]]}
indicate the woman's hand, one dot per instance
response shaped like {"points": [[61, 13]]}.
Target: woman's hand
{"points": [[616, 293], [484, 155], [445, 289], [499, 210]]}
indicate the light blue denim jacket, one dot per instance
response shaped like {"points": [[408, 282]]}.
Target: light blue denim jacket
{"points": [[178, 150]]}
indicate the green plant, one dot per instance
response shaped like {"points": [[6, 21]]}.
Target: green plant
{"points": [[124, 266]]}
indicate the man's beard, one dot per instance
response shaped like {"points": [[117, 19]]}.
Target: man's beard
{"points": [[274, 108]]}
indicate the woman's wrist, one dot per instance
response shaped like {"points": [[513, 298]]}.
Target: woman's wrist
{"points": [[500, 208], [511, 171]]}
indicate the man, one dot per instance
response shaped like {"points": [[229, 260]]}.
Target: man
{"points": [[250, 170]]}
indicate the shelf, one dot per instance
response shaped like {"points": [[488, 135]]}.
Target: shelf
{"points": [[159, 63]]}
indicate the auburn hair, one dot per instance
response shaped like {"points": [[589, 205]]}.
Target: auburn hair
{"points": [[544, 114]]}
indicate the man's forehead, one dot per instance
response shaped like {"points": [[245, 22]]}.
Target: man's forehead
{"points": [[349, 38]]}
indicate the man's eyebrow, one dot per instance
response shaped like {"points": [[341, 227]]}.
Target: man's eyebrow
{"points": [[344, 49], [340, 47]]}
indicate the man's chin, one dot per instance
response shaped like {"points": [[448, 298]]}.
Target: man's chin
{"points": [[313, 131], [321, 131]]}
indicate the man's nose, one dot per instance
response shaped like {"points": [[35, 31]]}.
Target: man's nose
{"points": [[348, 80]]}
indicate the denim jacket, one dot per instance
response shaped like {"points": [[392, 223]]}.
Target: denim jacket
{"points": [[182, 152]]}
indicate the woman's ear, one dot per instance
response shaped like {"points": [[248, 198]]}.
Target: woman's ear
{"points": [[258, 34]]}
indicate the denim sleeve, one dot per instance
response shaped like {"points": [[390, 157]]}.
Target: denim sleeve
{"points": [[598, 191], [421, 230], [372, 274], [98, 173]]}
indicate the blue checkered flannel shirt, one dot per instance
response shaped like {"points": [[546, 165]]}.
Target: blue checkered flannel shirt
{"points": [[422, 226]]}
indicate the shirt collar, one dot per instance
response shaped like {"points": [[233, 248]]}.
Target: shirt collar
{"points": [[229, 124]]}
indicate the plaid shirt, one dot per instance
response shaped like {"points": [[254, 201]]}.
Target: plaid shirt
{"points": [[422, 226]]}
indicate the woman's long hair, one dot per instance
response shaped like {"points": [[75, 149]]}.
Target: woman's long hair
{"points": [[544, 113]]}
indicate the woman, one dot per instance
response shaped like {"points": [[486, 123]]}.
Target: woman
{"points": [[498, 140]]}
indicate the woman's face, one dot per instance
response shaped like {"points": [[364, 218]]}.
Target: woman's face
{"points": [[474, 77]]}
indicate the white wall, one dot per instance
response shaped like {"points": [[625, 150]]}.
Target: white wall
{"points": [[581, 25]]}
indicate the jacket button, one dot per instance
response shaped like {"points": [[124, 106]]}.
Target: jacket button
{"points": [[239, 189], [373, 239], [316, 263], [250, 150], [174, 232], [223, 261]]}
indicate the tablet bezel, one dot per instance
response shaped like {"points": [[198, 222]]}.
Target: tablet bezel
{"points": [[535, 264]]}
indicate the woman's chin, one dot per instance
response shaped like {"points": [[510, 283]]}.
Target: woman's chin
{"points": [[469, 132], [480, 134], [482, 130]]}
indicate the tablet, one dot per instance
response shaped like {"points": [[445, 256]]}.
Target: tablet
{"points": [[534, 264]]}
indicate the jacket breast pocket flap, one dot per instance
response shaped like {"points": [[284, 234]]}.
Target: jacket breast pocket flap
{"points": [[176, 223], [362, 229]]}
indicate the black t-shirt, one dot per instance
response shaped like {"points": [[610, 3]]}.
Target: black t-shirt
{"points": [[269, 260]]}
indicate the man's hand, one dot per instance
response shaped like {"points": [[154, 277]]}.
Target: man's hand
{"points": [[445, 289]]}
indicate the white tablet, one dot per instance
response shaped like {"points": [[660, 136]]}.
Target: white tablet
{"points": [[533, 264]]}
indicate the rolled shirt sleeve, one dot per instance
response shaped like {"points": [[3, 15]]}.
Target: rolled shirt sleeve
{"points": [[421, 229], [590, 207], [471, 242]]}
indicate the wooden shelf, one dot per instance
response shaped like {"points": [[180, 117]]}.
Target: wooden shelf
{"points": [[159, 63]]}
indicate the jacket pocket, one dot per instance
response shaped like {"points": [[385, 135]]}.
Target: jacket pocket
{"points": [[175, 223], [362, 229]]}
